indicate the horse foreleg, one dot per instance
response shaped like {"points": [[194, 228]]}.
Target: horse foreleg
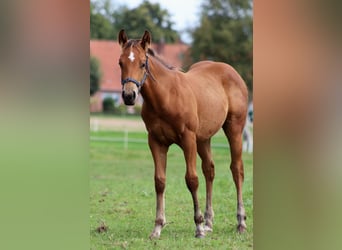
{"points": [[190, 152], [159, 156], [204, 151]]}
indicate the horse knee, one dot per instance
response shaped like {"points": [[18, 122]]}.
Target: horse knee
{"points": [[159, 183]]}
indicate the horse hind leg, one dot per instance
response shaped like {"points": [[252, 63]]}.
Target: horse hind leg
{"points": [[204, 151], [233, 129], [190, 148]]}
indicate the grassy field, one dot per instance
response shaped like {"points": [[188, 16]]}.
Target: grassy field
{"points": [[122, 198]]}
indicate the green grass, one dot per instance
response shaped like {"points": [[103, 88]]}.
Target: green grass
{"points": [[122, 198]]}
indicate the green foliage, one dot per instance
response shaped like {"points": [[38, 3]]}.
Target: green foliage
{"points": [[106, 21], [100, 25], [225, 34], [147, 16], [95, 75], [122, 198], [108, 105]]}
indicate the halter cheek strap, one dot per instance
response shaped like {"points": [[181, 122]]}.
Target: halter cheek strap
{"points": [[139, 84]]}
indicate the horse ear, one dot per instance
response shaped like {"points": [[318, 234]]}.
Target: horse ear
{"points": [[146, 40], [122, 38]]}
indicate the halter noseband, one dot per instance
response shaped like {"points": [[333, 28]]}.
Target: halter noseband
{"points": [[139, 84]]}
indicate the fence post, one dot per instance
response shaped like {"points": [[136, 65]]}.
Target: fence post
{"points": [[94, 125], [125, 138]]}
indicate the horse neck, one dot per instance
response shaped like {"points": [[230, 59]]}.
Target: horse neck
{"points": [[157, 87]]}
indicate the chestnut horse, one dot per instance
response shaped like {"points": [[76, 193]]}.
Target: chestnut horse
{"points": [[186, 109]]}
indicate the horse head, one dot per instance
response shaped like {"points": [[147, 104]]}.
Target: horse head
{"points": [[133, 63]]}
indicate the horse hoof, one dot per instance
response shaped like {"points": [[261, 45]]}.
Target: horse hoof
{"points": [[154, 235], [200, 236], [241, 228], [207, 229]]}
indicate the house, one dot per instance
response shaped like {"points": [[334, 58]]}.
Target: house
{"points": [[108, 53]]}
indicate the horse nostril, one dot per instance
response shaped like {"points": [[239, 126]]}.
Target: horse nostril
{"points": [[129, 97]]}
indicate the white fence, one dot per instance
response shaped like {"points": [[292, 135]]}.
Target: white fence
{"points": [[126, 139]]}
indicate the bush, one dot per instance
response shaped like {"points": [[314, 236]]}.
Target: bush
{"points": [[108, 105], [95, 75]]}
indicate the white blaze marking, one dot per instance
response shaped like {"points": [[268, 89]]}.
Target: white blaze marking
{"points": [[131, 56]]}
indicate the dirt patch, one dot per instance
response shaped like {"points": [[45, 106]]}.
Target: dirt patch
{"points": [[102, 228], [115, 123]]}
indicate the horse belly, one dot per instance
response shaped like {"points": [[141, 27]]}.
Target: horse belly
{"points": [[212, 113]]}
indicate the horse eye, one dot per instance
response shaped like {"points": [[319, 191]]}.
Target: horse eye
{"points": [[120, 64], [142, 65]]}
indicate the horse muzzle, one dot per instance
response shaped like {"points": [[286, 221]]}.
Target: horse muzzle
{"points": [[129, 97]]}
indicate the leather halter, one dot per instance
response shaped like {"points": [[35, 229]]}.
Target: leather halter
{"points": [[136, 82]]}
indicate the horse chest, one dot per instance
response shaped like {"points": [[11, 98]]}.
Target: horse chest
{"points": [[164, 131]]}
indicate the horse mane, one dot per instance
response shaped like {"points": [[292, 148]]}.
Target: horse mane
{"points": [[151, 52]]}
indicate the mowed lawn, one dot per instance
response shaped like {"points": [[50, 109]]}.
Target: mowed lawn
{"points": [[122, 198]]}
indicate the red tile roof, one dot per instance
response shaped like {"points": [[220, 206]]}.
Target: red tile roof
{"points": [[108, 52]]}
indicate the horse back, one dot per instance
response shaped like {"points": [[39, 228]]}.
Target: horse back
{"points": [[218, 73], [218, 76]]}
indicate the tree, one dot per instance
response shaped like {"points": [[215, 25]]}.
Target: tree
{"points": [[107, 20], [100, 25], [146, 16], [225, 34], [95, 75]]}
